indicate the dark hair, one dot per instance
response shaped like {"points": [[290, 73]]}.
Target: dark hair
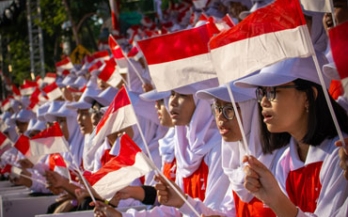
{"points": [[320, 123]]}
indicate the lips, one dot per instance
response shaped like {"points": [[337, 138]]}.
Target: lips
{"points": [[173, 114], [267, 116], [223, 130]]}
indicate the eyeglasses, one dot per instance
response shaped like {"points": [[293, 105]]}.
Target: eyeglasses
{"points": [[227, 111], [269, 92]]}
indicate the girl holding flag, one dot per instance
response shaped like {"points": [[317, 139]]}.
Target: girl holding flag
{"points": [[307, 177]]}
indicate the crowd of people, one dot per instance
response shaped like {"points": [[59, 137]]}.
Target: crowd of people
{"points": [[274, 151]]}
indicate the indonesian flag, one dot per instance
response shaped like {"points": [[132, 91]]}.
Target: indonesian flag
{"points": [[5, 143], [16, 92], [117, 52], [115, 48], [339, 48], [96, 67], [268, 35], [56, 163], [317, 5], [50, 77], [118, 116], [122, 170], [63, 65], [179, 58], [35, 98], [38, 80], [52, 91], [114, 13], [6, 104], [134, 53], [101, 55], [109, 74], [48, 141], [28, 87]]}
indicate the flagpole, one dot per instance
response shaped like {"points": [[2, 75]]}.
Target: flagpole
{"points": [[155, 167], [236, 113], [323, 85], [131, 64], [82, 177]]}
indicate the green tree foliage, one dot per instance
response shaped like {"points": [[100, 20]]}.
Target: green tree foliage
{"points": [[16, 41]]}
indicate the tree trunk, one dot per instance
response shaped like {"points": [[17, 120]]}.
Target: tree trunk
{"points": [[73, 26]]}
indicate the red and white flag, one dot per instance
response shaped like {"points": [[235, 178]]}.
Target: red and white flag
{"points": [[16, 92], [50, 77], [5, 143], [268, 35], [101, 55], [317, 5], [117, 52], [119, 115], [109, 74], [48, 141], [179, 58], [114, 14], [28, 87], [339, 48], [52, 91], [96, 67], [121, 170], [6, 104], [56, 163], [63, 65]]}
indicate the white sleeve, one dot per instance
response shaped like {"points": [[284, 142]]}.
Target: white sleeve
{"points": [[218, 195], [334, 189], [158, 211]]}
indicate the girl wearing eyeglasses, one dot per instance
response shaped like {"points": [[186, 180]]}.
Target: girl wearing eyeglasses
{"points": [[307, 180], [238, 201]]}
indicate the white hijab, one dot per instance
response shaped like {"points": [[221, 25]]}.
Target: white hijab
{"points": [[233, 152], [194, 141]]}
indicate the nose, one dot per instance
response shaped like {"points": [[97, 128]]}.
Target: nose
{"points": [[173, 100], [264, 102]]}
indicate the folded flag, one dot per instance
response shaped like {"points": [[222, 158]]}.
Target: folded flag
{"points": [[121, 170], [63, 65], [119, 115], [117, 52], [5, 143], [109, 74], [339, 48], [180, 58], [268, 35], [48, 141], [52, 91], [56, 163], [28, 87]]}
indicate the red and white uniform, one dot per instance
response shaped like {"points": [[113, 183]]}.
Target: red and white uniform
{"points": [[317, 186]]}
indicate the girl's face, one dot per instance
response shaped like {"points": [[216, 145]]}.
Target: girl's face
{"points": [[181, 108], [84, 121], [21, 127], [102, 84], [63, 126], [96, 114], [163, 114], [228, 128], [287, 112]]}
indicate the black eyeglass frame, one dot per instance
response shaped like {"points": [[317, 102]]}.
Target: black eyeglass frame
{"points": [[223, 109], [270, 92]]}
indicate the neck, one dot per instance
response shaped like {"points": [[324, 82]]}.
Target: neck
{"points": [[302, 148]]}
